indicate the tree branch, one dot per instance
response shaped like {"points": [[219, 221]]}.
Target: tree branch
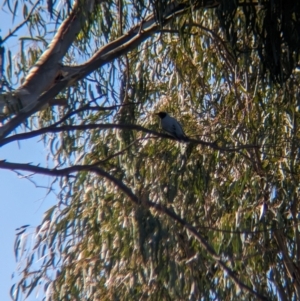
{"points": [[102, 126], [11, 125], [158, 207], [42, 75]]}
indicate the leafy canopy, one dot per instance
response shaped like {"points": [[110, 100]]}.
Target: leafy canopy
{"points": [[140, 216]]}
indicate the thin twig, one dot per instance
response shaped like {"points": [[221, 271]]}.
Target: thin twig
{"points": [[11, 33]]}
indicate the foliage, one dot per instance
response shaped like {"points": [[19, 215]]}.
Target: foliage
{"points": [[270, 28], [139, 215]]}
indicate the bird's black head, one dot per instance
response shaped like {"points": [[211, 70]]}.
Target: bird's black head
{"points": [[162, 114]]}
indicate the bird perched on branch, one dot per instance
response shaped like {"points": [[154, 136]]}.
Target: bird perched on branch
{"points": [[172, 126]]}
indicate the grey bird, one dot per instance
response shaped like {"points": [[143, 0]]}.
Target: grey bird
{"points": [[172, 126]]}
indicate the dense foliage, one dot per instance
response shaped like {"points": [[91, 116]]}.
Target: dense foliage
{"points": [[141, 216]]}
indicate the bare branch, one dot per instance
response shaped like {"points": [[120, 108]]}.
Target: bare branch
{"points": [[101, 126]]}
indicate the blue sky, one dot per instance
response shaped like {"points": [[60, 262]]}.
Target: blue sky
{"points": [[21, 202]]}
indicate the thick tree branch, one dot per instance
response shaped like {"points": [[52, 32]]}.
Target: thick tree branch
{"points": [[44, 72], [128, 41], [7, 128]]}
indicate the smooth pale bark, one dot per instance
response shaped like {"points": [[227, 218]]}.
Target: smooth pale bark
{"points": [[42, 75]]}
